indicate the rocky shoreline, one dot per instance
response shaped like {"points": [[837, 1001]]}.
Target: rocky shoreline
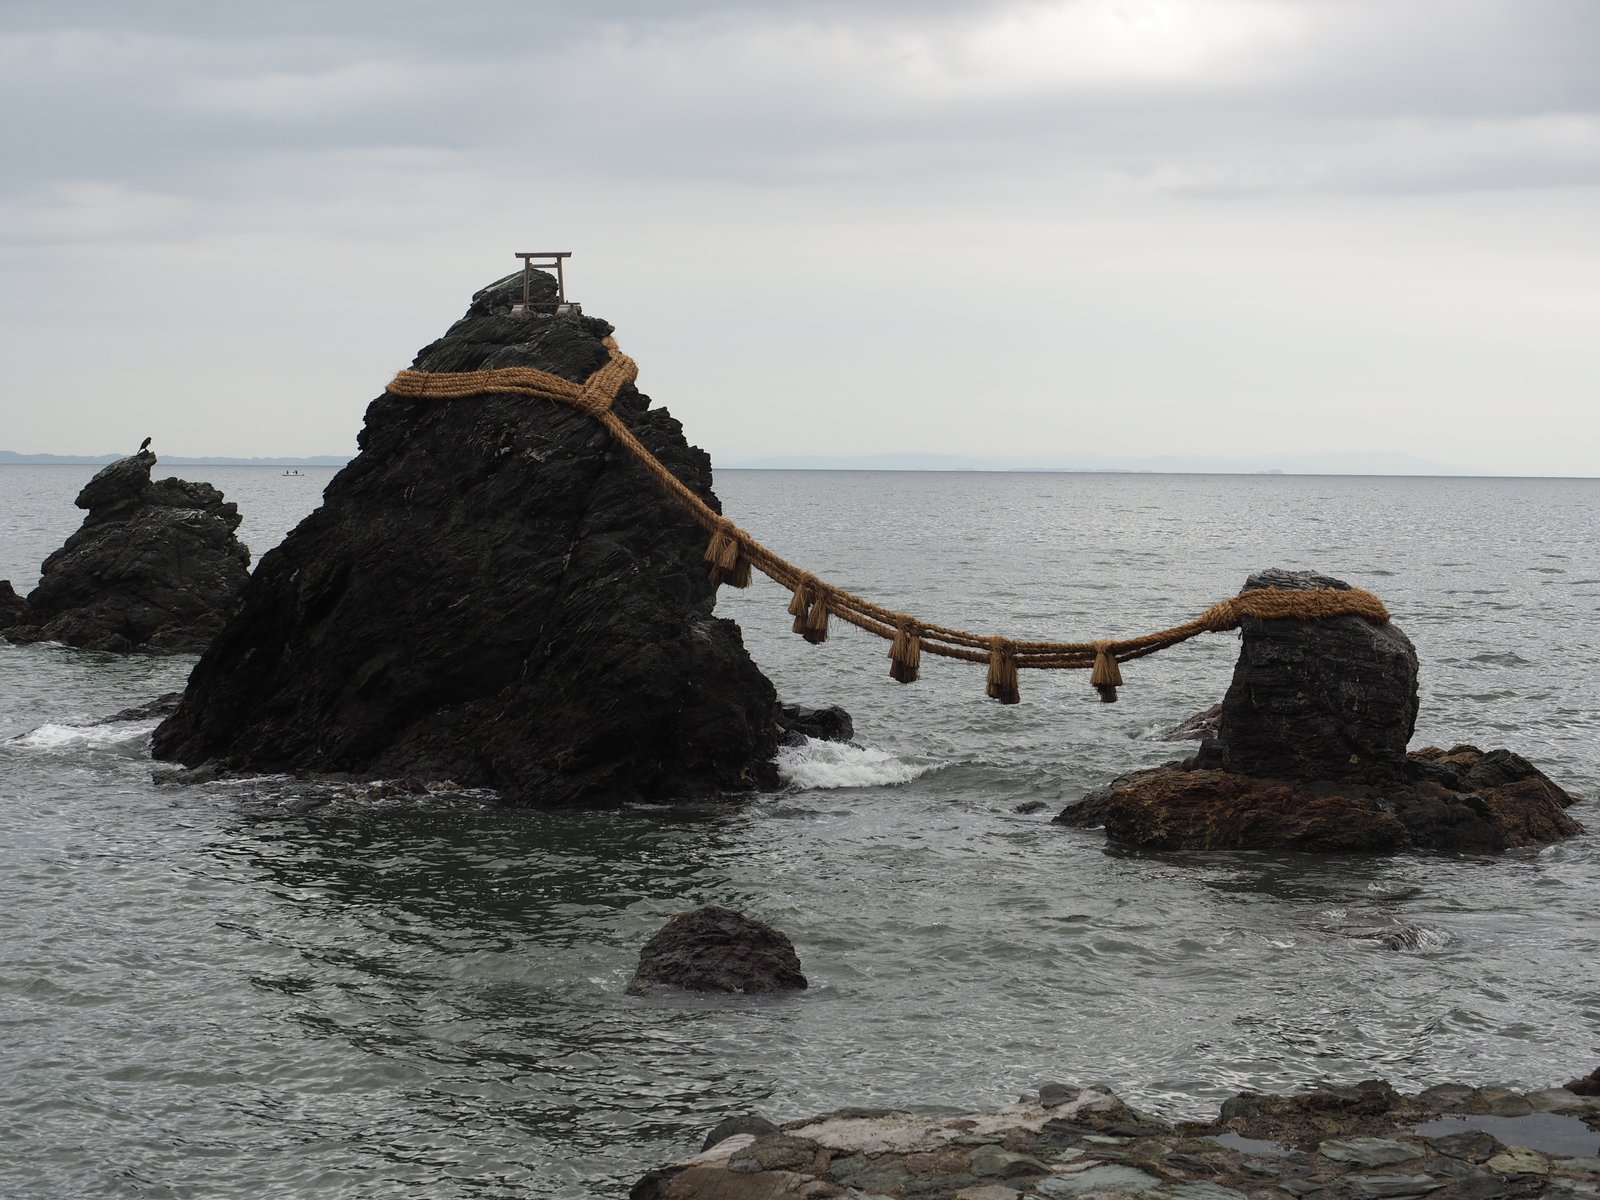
{"points": [[1360, 1142]]}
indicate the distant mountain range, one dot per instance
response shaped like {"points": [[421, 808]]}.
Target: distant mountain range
{"points": [[89, 460], [1356, 463], [1173, 464]]}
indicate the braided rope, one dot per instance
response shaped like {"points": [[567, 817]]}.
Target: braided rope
{"points": [[732, 553]]}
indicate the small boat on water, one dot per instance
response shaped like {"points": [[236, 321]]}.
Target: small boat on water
{"points": [[294, 472]]}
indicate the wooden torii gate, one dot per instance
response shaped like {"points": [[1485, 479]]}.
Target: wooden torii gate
{"points": [[545, 260]]}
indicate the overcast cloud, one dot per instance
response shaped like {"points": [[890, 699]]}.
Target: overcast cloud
{"points": [[1226, 227]]}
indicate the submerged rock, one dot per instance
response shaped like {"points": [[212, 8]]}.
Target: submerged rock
{"points": [[1309, 754], [155, 566], [1589, 1085], [715, 949], [831, 724], [163, 705], [493, 593], [1197, 728]]}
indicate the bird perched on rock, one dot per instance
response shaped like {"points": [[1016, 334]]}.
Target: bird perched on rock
{"points": [[144, 445]]}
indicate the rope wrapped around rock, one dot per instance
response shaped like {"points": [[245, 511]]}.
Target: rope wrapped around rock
{"points": [[732, 553]]}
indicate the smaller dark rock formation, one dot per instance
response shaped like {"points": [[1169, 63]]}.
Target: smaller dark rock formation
{"points": [[714, 949], [831, 724], [13, 608], [1309, 754], [1589, 1085], [163, 705], [155, 566], [1197, 728]]}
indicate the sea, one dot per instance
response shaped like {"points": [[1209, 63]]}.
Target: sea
{"points": [[280, 988]]}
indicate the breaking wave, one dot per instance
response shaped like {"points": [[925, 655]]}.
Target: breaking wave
{"points": [[828, 765], [129, 737]]}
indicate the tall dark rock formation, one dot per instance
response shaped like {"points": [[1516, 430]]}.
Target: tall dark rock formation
{"points": [[1309, 753], [1331, 699], [492, 593], [155, 566]]}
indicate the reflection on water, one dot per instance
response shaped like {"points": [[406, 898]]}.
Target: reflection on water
{"points": [[1549, 1132]]}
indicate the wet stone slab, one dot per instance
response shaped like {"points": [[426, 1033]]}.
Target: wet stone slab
{"points": [[1361, 1142], [1370, 1152]]}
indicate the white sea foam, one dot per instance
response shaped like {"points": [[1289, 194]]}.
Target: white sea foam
{"points": [[122, 736], [827, 765]]}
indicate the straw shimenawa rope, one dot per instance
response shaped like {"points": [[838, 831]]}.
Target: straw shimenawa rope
{"points": [[732, 553]]}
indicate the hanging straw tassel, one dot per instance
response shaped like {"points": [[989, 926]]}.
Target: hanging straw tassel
{"points": [[1107, 676], [816, 618], [800, 602], [1003, 671], [725, 553], [905, 655]]}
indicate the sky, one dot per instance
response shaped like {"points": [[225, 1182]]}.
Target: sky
{"points": [[1118, 229]]}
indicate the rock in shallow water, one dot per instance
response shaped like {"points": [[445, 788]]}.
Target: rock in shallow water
{"points": [[799, 722], [715, 949], [155, 566], [1179, 807], [492, 593], [1309, 755], [1589, 1085]]}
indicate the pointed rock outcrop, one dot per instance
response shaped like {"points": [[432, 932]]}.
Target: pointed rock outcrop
{"points": [[492, 593]]}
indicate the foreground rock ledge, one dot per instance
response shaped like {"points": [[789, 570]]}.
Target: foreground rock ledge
{"points": [[494, 594], [154, 567], [1306, 752], [1361, 1142]]}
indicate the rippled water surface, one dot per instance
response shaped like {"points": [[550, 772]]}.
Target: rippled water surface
{"points": [[275, 988]]}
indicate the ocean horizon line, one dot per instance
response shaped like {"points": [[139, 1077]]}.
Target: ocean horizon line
{"points": [[901, 464]]}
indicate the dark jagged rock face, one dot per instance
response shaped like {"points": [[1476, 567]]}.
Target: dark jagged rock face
{"points": [[493, 593], [715, 949], [1333, 699], [155, 566], [1309, 754]]}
